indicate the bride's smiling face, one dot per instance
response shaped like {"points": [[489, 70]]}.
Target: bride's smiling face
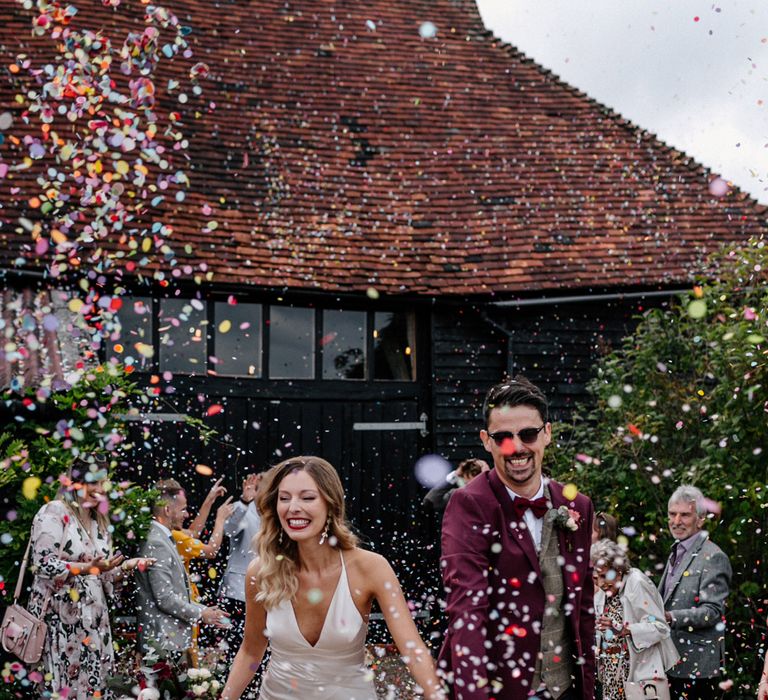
{"points": [[301, 508]]}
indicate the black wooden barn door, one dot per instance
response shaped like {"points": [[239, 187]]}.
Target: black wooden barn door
{"points": [[373, 445]]}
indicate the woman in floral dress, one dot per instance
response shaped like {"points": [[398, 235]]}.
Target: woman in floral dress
{"points": [[75, 571]]}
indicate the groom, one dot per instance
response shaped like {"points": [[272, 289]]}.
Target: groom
{"points": [[516, 567]]}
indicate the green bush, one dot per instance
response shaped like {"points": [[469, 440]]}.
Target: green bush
{"points": [[40, 443], [686, 400]]}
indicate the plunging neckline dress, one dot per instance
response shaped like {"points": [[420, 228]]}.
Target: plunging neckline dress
{"points": [[331, 669]]}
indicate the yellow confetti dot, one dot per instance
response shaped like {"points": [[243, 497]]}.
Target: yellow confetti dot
{"points": [[145, 350], [121, 167], [75, 305], [146, 245], [570, 491], [212, 573], [74, 595], [58, 237], [225, 326], [30, 486]]}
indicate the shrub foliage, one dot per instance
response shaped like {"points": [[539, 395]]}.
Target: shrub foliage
{"points": [[685, 400]]}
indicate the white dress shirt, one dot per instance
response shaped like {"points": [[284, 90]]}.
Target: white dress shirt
{"points": [[535, 525]]}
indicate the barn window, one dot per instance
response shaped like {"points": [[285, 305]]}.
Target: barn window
{"points": [[343, 344], [394, 349], [183, 327], [133, 345], [291, 343], [198, 337], [237, 339]]}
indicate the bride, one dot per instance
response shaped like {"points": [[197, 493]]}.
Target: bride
{"points": [[309, 593]]}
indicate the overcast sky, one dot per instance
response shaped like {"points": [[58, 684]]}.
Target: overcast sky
{"points": [[694, 72]]}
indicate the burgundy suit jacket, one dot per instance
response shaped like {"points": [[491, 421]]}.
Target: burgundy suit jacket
{"points": [[495, 597]]}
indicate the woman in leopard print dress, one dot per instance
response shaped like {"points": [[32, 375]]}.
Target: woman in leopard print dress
{"points": [[634, 641]]}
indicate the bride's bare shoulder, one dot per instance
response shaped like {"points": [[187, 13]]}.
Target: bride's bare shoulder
{"points": [[365, 562]]}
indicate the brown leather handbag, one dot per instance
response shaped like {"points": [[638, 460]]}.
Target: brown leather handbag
{"points": [[22, 633]]}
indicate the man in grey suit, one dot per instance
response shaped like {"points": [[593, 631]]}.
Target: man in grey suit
{"points": [[694, 587], [165, 612]]}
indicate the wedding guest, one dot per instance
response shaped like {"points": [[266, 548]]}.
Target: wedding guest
{"points": [[634, 641], [762, 688], [165, 611], [309, 594], [76, 570], [241, 528], [604, 527], [191, 547], [437, 498], [694, 587]]}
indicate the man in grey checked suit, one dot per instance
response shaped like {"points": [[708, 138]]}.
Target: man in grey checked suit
{"points": [[165, 612], [694, 586]]}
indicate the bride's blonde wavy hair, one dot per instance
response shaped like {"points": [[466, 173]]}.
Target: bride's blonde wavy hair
{"points": [[276, 578]]}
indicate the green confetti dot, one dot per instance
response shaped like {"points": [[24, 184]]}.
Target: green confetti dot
{"points": [[697, 309]]}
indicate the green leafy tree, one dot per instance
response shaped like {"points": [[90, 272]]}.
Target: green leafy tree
{"points": [[685, 400], [40, 444]]}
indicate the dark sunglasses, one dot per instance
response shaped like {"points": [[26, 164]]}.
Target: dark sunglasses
{"points": [[527, 435]]}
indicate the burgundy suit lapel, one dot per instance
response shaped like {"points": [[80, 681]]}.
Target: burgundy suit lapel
{"points": [[519, 535]]}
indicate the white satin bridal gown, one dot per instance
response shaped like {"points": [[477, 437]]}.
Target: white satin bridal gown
{"points": [[332, 669]]}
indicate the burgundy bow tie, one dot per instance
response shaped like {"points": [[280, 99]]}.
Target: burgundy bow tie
{"points": [[538, 506]]}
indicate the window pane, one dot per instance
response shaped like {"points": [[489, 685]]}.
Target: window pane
{"points": [[133, 345], [183, 326], [238, 339], [291, 343], [343, 345], [394, 346]]}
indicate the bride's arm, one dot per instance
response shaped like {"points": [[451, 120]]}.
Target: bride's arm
{"points": [[386, 589], [254, 643]]}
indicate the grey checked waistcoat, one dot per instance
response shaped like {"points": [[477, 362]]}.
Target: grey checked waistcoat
{"points": [[555, 666]]}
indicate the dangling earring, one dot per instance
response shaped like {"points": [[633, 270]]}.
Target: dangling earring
{"points": [[324, 536], [280, 537]]}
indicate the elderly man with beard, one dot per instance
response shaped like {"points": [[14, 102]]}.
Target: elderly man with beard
{"points": [[516, 566]]}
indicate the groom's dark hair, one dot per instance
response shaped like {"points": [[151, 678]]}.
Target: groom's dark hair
{"points": [[516, 392]]}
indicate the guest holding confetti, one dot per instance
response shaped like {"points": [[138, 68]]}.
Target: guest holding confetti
{"points": [[633, 640], [75, 572], [191, 547], [604, 527]]}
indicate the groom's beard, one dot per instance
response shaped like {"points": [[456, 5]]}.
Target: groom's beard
{"points": [[520, 468]]}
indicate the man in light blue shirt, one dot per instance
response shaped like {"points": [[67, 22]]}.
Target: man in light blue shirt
{"points": [[241, 528]]}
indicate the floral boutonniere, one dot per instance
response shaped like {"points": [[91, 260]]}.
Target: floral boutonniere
{"points": [[566, 519]]}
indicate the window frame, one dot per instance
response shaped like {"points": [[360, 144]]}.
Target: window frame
{"points": [[209, 370]]}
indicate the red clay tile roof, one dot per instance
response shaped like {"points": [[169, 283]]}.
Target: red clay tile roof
{"points": [[344, 151]]}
